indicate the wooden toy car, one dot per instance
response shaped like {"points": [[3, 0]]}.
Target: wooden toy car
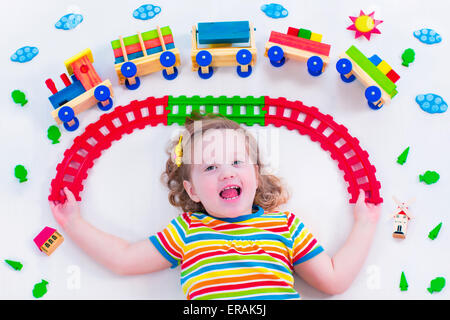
{"points": [[298, 44], [145, 53], [85, 90], [217, 44], [375, 74]]}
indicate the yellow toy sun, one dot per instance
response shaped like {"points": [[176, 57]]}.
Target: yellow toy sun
{"points": [[364, 25]]}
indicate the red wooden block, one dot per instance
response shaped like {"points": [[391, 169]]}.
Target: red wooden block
{"points": [[293, 31], [393, 76], [300, 43]]}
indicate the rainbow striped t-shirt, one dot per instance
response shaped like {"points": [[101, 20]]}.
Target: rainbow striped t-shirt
{"points": [[247, 257]]}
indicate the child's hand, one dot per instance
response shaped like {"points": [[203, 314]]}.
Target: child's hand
{"points": [[65, 213], [366, 212]]}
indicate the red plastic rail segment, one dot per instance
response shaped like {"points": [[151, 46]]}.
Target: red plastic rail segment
{"points": [[136, 47], [98, 136], [300, 43], [358, 171]]}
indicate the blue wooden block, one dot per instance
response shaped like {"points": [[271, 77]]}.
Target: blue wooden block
{"points": [[139, 54], [376, 60], [223, 32], [67, 94]]}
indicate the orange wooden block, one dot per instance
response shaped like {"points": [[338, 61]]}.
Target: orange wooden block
{"points": [[85, 72]]}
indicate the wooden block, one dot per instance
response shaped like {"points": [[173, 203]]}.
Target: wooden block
{"points": [[85, 72], [384, 67], [297, 54], [316, 37], [376, 60], [148, 35], [393, 76], [223, 32], [300, 43], [149, 44], [373, 72], [140, 54], [304, 33], [68, 63], [293, 31]]}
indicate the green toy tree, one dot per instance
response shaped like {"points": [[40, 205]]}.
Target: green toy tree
{"points": [[19, 97], [16, 265], [403, 282], [408, 57], [401, 159], [53, 134], [40, 289], [434, 233], [21, 173]]}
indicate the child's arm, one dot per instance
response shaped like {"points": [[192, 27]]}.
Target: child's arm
{"points": [[334, 275], [113, 252]]}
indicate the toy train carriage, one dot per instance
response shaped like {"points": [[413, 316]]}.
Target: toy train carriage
{"points": [[145, 53], [217, 44], [376, 75], [84, 91], [298, 44]]}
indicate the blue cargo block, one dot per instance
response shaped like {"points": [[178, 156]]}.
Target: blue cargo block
{"points": [[223, 32], [376, 60], [67, 94]]}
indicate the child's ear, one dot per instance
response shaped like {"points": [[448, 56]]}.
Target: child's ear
{"points": [[190, 191]]}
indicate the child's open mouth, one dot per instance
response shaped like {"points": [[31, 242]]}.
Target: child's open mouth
{"points": [[230, 193]]}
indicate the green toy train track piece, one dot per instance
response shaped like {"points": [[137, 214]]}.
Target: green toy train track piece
{"points": [[247, 110]]}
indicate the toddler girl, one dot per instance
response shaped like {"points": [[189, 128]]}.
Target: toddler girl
{"points": [[232, 242]]}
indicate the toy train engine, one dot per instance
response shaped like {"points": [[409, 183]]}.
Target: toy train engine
{"points": [[85, 90], [145, 53], [298, 44], [217, 44], [374, 73]]}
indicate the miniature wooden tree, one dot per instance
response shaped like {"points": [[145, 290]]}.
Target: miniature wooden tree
{"points": [[53, 134], [20, 173]]}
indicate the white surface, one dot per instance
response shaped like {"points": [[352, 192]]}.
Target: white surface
{"points": [[123, 195]]}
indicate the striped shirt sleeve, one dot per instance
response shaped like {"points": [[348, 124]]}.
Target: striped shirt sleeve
{"points": [[305, 245], [170, 242]]}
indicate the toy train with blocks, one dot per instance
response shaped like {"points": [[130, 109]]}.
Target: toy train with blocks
{"points": [[84, 91], [145, 53], [298, 44], [375, 74], [218, 44]]}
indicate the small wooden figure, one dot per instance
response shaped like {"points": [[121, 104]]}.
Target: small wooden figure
{"points": [[401, 218], [48, 240]]}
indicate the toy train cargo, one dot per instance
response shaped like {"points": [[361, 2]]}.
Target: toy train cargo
{"points": [[298, 44], [220, 44], [374, 73], [84, 91], [145, 53]]}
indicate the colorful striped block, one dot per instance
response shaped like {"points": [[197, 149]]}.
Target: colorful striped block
{"points": [[293, 31], [304, 33], [376, 60], [152, 34], [223, 32], [149, 44], [393, 76], [139, 54], [316, 37], [384, 67], [300, 43]]}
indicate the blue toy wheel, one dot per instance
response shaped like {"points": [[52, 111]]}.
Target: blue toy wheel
{"points": [[170, 76], [243, 74], [315, 66], [205, 75], [276, 56], [244, 57], [203, 58], [133, 86], [349, 79], [107, 107], [72, 127], [66, 114], [344, 66], [373, 94], [167, 59], [102, 93], [128, 69], [374, 106]]}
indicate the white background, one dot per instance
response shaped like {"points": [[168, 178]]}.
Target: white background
{"points": [[122, 193]]}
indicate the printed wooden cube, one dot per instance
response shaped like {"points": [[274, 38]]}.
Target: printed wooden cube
{"points": [[48, 240]]}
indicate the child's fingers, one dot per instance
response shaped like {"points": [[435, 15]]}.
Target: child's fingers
{"points": [[361, 197], [69, 195]]}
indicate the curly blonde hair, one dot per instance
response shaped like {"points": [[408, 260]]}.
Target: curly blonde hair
{"points": [[270, 193]]}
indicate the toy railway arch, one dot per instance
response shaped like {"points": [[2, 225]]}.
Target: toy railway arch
{"points": [[294, 115]]}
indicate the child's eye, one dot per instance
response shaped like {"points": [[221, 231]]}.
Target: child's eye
{"points": [[209, 168], [237, 162]]}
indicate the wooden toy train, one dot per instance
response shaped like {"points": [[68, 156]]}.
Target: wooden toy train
{"points": [[145, 53], [298, 44], [85, 90], [217, 44], [376, 75]]}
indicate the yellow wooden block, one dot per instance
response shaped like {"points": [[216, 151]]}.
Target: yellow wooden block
{"points": [[86, 52], [316, 37], [384, 67]]}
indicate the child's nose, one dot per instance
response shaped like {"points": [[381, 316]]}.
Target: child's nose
{"points": [[227, 172]]}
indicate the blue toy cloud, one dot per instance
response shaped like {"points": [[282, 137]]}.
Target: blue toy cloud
{"points": [[24, 54], [146, 11], [274, 10], [428, 36], [431, 103], [69, 21]]}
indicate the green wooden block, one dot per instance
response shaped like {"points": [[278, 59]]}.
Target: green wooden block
{"points": [[148, 35], [373, 72], [304, 33]]}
